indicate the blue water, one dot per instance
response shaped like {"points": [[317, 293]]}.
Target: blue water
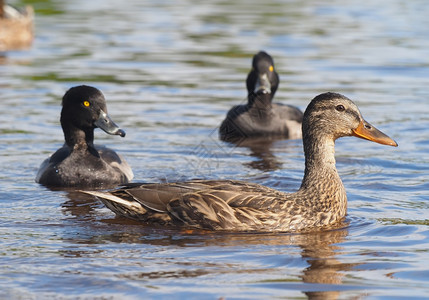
{"points": [[170, 70]]}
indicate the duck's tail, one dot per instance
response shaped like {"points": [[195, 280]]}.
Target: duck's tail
{"points": [[122, 207]]}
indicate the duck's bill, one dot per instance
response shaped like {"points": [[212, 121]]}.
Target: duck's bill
{"points": [[263, 85], [105, 123], [368, 132]]}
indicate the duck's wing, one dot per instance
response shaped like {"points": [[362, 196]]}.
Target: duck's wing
{"points": [[156, 196], [149, 196], [209, 204], [228, 205], [108, 155], [47, 170], [115, 160], [231, 127], [288, 112], [290, 118]]}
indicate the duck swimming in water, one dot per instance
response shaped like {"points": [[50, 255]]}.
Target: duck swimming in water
{"points": [[260, 117], [241, 206], [80, 163]]}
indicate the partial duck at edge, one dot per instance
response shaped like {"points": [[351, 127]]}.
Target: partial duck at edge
{"points": [[16, 27]]}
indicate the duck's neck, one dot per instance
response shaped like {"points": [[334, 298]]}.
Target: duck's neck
{"points": [[78, 138], [321, 180], [260, 104]]}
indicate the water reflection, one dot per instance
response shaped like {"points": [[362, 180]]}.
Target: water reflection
{"points": [[81, 206], [260, 149], [180, 63], [318, 250]]}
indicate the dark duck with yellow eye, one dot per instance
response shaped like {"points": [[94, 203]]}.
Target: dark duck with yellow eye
{"points": [[80, 163], [260, 117], [231, 205]]}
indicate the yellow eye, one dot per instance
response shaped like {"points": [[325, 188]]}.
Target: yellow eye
{"points": [[86, 103], [271, 68]]}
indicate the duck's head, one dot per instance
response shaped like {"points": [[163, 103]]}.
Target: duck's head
{"points": [[333, 115], [84, 107], [263, 78]]}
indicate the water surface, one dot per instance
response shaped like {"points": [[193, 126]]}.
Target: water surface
{"points": [[170, 70]]}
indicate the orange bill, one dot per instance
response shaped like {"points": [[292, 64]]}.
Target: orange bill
{"points": [[368, 132]]}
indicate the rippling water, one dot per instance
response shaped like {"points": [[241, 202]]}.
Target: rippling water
{"points": [[170, 70]]}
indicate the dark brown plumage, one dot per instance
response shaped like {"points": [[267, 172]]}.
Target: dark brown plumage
{"points": [[241, 206]]}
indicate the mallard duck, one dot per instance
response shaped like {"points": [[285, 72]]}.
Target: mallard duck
{"points": [[79, 162], [16, 27], [260, 117], [241, 206]]}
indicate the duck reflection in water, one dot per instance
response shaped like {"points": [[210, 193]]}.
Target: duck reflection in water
{"points": [[79, 206], [320, 277], [263, 151]]}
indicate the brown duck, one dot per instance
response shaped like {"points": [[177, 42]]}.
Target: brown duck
{"points": [[241, 206]]}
